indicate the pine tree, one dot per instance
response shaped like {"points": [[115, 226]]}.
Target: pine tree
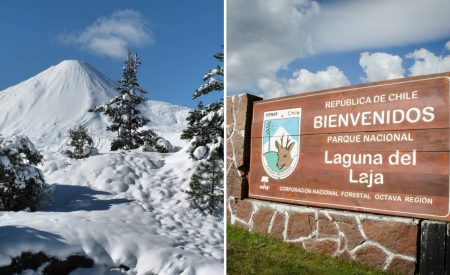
{"points": [[269, 129], [205, 132], [80, 143], [22, 185], [193, 121], [127, 120], [206, 187], [214, 78], [206, 123], [205, 129]]}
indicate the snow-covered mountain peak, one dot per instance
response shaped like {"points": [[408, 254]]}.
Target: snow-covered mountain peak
{"points": [[70, 64], [77, 69], [66, 78], [45, 106], [69, 67]]}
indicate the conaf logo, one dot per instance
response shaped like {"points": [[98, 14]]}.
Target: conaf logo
{"points": [[281, 142]]}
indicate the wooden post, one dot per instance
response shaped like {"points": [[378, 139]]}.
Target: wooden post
{"points": [[434, 250], [447, 252]]}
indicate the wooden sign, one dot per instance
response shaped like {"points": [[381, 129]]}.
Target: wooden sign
{"points": [[380, 147]]}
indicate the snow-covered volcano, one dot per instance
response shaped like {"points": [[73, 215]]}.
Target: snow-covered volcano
{"points": [[45, 106]]}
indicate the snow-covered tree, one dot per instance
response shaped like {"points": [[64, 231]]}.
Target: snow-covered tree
{"points": [[206, 123], [22, 185], [206, 187], [205, 130], [127, 120], [213, 79], [79, 143], [205, 135], [152, 142]]}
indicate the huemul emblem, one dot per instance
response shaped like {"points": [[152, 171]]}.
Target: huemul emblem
{"points": [[280, 146], [284, 153]]}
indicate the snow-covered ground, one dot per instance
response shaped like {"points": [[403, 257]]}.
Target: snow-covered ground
{"points": [[118, 208]]}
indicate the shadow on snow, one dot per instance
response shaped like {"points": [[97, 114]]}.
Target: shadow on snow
{"points": [[68, 198], [19, 236]]}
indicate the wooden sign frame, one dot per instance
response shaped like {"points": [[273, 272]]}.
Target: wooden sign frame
{"points": [[380, 147]]}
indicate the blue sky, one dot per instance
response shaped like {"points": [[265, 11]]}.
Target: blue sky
{"points": [[176, 41], [291, 46]]}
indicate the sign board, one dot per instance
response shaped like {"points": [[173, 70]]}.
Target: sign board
{"points": [[380, 147]]}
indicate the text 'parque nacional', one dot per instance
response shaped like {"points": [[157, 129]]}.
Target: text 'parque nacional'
{"points": [[378, 147]]}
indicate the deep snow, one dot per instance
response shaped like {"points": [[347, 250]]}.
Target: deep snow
{"points": [[124, 207]]}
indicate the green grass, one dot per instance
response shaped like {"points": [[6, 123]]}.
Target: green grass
{"points": [[251, 253]]}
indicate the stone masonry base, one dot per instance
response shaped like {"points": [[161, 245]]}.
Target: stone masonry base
{"points": [[389, 243]]}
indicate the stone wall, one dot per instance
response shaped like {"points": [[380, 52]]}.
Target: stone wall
{"points": [[385, 242], [239, 119]]}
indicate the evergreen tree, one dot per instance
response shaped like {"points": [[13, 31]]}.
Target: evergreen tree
{"points": [[193, 121], [269, 129], [206, 123], [80, 143], [206, 187], [205, 132], [151, 141], [214, 78], [127, 120], [22, 185]]}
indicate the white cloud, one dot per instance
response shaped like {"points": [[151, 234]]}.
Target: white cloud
{"points": [[112, 35], [381, 66], [352, 25], [426, 62], [303, 81], [264, 36]]}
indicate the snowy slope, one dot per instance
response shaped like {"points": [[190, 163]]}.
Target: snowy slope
{"points": [[118, 208], [45, 106], [166, 119]]}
